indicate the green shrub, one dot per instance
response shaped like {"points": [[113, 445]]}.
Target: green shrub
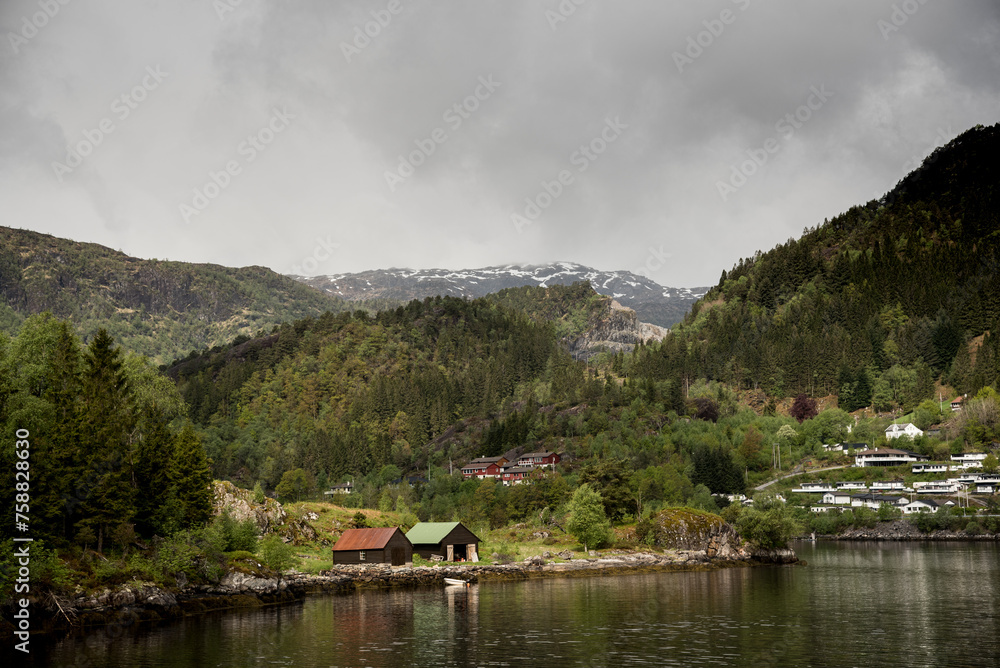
{"points": [[865, 518], [276, 554], [587, 521], [731, 513], [888, 513], [769, 529], [178, 554], [926, 522], [141, 567], [233, 535]]}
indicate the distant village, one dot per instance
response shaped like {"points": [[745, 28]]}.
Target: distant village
{"points": [[969, 476], [452, 541]]}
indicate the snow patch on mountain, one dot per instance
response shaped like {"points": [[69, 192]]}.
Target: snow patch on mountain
{"points": [[652, 302]]}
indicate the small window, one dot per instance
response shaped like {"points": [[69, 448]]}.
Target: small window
{"points": [[362, 557]]}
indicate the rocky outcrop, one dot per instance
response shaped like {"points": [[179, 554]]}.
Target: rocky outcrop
{"points": [[240, 504], [269, 515], [691, 530], [617, 329]]}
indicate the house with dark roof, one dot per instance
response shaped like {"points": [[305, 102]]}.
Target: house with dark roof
{"points": [[342, 488], [836, 499], [886, 457], [919, 506], [484, 467], [543, 459], [449, 541], [876, 501], [373, 546], [514, 475]]}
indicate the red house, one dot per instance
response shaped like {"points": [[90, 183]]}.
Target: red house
{"points": [[543, 459], [513, 475], [484, 467]]}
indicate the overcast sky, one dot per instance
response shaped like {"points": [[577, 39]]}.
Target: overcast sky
{"points": [[322, 137]]}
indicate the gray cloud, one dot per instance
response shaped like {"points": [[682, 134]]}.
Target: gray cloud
{"points": [[204, 135]]}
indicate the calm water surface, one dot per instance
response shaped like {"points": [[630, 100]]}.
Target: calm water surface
{"points": [[855, 604]]}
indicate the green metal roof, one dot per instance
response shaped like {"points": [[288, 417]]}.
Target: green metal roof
{"points": [[426, 533]]}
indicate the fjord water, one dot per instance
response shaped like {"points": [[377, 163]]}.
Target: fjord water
{"points": [[854, 604]]}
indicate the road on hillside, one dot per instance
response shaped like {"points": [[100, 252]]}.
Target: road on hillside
{"points": [[797, 471]]}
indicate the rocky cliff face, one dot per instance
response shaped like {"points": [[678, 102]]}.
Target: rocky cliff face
{"points": [[616, 329], [269, 516]]}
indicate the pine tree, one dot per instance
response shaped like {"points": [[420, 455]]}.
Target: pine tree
{"points": [[153, 456], [57, 463], [960, 376], [191, 477], [106, 491]]}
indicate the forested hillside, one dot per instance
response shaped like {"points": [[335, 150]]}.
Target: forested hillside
{"points": [[157, 308], [349, 393], [874, 305], [95, 457]]}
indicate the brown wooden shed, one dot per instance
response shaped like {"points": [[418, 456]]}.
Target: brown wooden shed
{"points": [[449, 540], [373, 546]]}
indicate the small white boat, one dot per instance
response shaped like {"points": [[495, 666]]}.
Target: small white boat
{"points": [[455, 582]]}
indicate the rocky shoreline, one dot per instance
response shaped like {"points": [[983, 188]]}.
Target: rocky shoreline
{"points": [[901, 530], [134, 603]]}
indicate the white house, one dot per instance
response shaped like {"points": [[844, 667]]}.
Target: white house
{"points": [[967, 458], [813, 488], [908, 430], [919, 506], [929, 467], [821, 508], [851, 484], [342, 488], [876, 501], [837, 499], [886, 457], [938, 487], [888, 486]]}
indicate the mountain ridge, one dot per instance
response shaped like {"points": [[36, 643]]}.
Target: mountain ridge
{"points": [[653, 303], [160, 308]]}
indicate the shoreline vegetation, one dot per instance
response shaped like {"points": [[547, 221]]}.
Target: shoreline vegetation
{"points": [[226, 565], [138, 603]]}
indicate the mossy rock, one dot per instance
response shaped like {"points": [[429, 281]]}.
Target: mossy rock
{"points": [[681, 529]]}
